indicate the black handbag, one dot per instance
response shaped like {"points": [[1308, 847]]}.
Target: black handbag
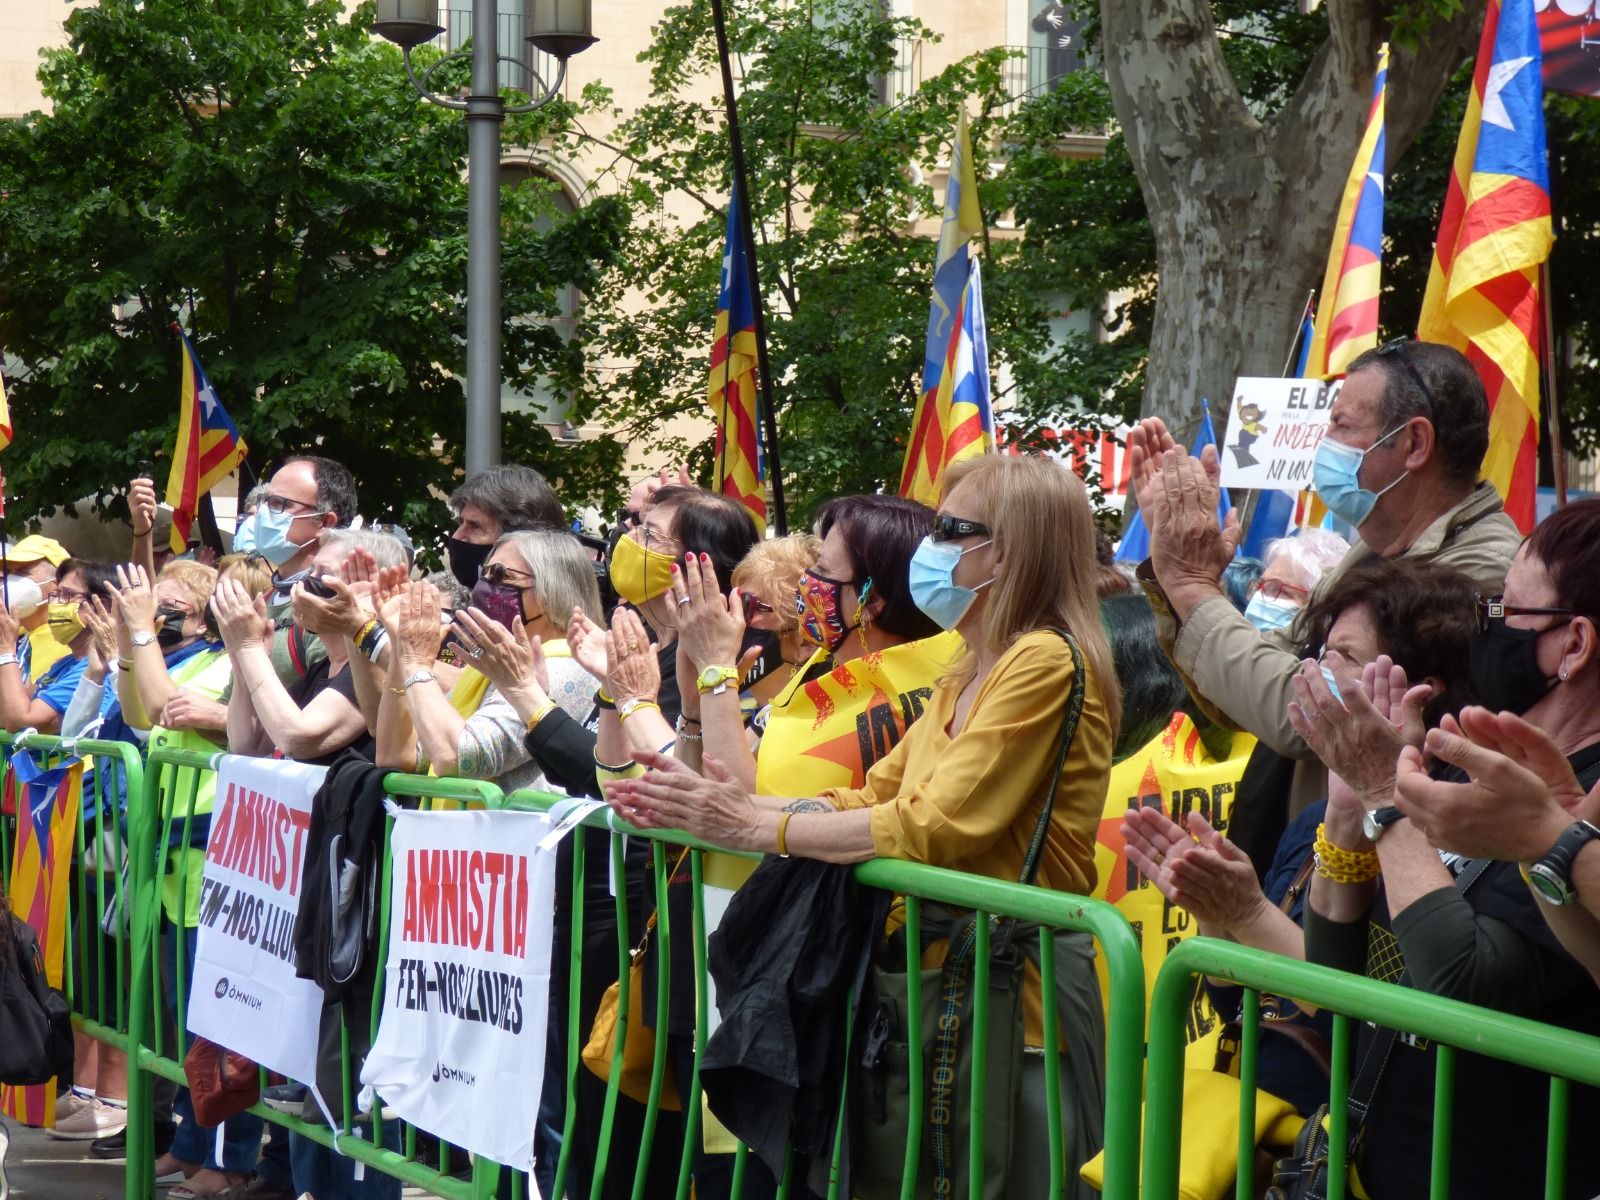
{"points": [[881, 1114], [35, 1023]]}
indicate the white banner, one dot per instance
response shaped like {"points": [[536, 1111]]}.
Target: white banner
{"points": [[1274, 426], [460, 1051], [246, 995]]}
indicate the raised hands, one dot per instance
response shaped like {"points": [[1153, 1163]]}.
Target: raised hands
{"points": [[411, 616], [587, 641], [513, 659], [1358, 733], [339, 614], [710, 625], [135, 599], [1520, 794], [634, 673], [1199, 870], [142, 506], [96, 615], [241, 618]]}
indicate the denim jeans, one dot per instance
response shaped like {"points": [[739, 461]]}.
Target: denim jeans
{"points": [[329, 1175], [196, 1143]]}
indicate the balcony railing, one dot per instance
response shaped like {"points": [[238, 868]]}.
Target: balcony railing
{"points": [[511, 28]]}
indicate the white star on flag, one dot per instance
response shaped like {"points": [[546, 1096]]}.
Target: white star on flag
{"points": [[1500, 76], [208, 400], [1376, 179]]}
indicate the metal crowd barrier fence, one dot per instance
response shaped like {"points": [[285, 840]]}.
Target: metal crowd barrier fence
{"points": [[919, 885], [1566, 1056]]}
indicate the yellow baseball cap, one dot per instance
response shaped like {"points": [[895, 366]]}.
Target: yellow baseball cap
{"points": [[36, 546]]}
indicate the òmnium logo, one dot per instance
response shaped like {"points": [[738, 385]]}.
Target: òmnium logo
{"points": [[225, 990], [453, 1075]]}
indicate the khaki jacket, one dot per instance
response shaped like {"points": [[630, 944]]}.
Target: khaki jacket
{"points": [[1240, 676]]}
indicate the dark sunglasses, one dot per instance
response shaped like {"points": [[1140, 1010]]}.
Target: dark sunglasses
{"points": [[1397, 350], [501, 576], [950, 529], [754, 608], [1493, 610]]}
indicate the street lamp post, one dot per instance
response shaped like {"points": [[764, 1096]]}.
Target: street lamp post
{"points": [[558, 27]]}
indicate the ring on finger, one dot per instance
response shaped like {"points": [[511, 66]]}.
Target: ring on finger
{"points": [[682, 600]]}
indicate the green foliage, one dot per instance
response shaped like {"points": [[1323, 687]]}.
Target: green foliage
{"points": [[838, 181], [262, 171]]}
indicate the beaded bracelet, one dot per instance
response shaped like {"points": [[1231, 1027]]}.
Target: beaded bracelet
{"points": [[1338, 865]]}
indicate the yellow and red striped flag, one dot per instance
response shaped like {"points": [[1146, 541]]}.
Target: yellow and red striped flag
{"points": [[5, 425], [1347, 318], [953, 419], [46, 804], [738, 468], [208, 448], [1495, 234]]}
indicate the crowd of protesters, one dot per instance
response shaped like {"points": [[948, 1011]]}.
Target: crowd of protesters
{"points": [[1426, 701]]}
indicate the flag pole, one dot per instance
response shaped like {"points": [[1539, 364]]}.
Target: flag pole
{"points": [[1558, 458], [769, 417]]}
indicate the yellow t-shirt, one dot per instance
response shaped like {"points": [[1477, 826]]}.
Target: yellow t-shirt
{"points": [[972, 802], [43, 650]]}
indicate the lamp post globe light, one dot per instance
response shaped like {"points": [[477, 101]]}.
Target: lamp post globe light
{"points": [[560, 28]]}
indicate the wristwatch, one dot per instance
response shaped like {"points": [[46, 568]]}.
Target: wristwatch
{"points": [[1551, 877], [715, 680], [1379, 819], [143, 638], [417, 677]]}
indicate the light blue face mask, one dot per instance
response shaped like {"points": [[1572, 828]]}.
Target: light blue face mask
{"points": [[1336, 474], [244, 537], [1333, 686], [271, 535], [1267, 613], [933, 586]]}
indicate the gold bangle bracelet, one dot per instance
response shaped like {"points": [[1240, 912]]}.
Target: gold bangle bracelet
{"points": [[783, 834]]}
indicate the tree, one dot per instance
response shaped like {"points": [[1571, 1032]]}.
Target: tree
{"points": [[1242, 144], [838, 177], [264, 173]]}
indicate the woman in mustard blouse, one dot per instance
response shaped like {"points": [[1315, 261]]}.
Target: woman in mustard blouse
{"points": [[1010, 559]]}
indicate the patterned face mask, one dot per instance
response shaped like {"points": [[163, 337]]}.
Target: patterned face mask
{"points": [[818, 604]]}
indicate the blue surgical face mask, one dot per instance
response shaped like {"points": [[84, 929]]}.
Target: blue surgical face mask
{"points": [[1333, 686], [271, 535], [244, 537], [1267, 613], [1336, 474], [933, 586]]}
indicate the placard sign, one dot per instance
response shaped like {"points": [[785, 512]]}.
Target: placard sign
{"points": [[460, 1050], [246, 995], [1274, 426]]}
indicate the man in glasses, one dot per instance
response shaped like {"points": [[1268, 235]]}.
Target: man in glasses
{"points": [[1399, 462]]}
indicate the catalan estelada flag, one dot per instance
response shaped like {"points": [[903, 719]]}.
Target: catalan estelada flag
{"points": [[949, 424], [1494, 236], [5, 426], [738, 468], [1347, 317], [208, 448], [47, 805]]}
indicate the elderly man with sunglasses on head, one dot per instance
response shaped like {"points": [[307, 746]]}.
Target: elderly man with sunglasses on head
{"points": [[1399, 463]]}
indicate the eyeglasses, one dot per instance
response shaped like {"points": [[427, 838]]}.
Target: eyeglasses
{"points": [[501, 576], [1277, 589], [278, 505], [1396, 350], [69, 596], [1493, 610], [950, 529], [754, 608]]}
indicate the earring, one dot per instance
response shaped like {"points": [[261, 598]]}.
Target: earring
{"points": [[1563, 676]]}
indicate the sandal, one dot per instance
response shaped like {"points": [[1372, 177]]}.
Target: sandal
{"points": [[234, 1188]]}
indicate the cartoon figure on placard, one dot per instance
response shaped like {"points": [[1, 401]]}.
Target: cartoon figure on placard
{"points": [[1249, 429]]}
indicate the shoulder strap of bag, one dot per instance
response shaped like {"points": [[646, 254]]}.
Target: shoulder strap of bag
{"points": [[1069, 732]]}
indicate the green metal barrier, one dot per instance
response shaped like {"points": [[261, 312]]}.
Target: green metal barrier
{"points": [[1567, 1057], [108, 905], [175, 779], [919, 884]]}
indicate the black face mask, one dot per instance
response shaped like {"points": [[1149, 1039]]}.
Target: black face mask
{"points": [[171, 631], [1505, 668], [466, 558]]}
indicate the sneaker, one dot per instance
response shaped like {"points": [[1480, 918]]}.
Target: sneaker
{"points": [[115, 1146], [72, 1101], [92, 1122], [285, 1098]]}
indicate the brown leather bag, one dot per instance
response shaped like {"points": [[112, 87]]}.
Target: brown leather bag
{"points": [[222, 1084]]}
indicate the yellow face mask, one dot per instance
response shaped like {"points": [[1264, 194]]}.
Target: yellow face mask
{"points": [[639, 573], [64, 623]]}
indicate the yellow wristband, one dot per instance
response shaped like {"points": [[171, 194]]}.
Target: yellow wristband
{"points": [[628, 707], [783, 834], [543, 711], [1338, 865]]}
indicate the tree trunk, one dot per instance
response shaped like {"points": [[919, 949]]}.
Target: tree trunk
{"points": [[1243, 207]]}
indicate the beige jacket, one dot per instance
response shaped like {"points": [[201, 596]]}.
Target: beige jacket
{"points": [[1240, 676]]}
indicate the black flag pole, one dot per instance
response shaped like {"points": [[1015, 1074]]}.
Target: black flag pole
{"points": [[741, 183]]}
